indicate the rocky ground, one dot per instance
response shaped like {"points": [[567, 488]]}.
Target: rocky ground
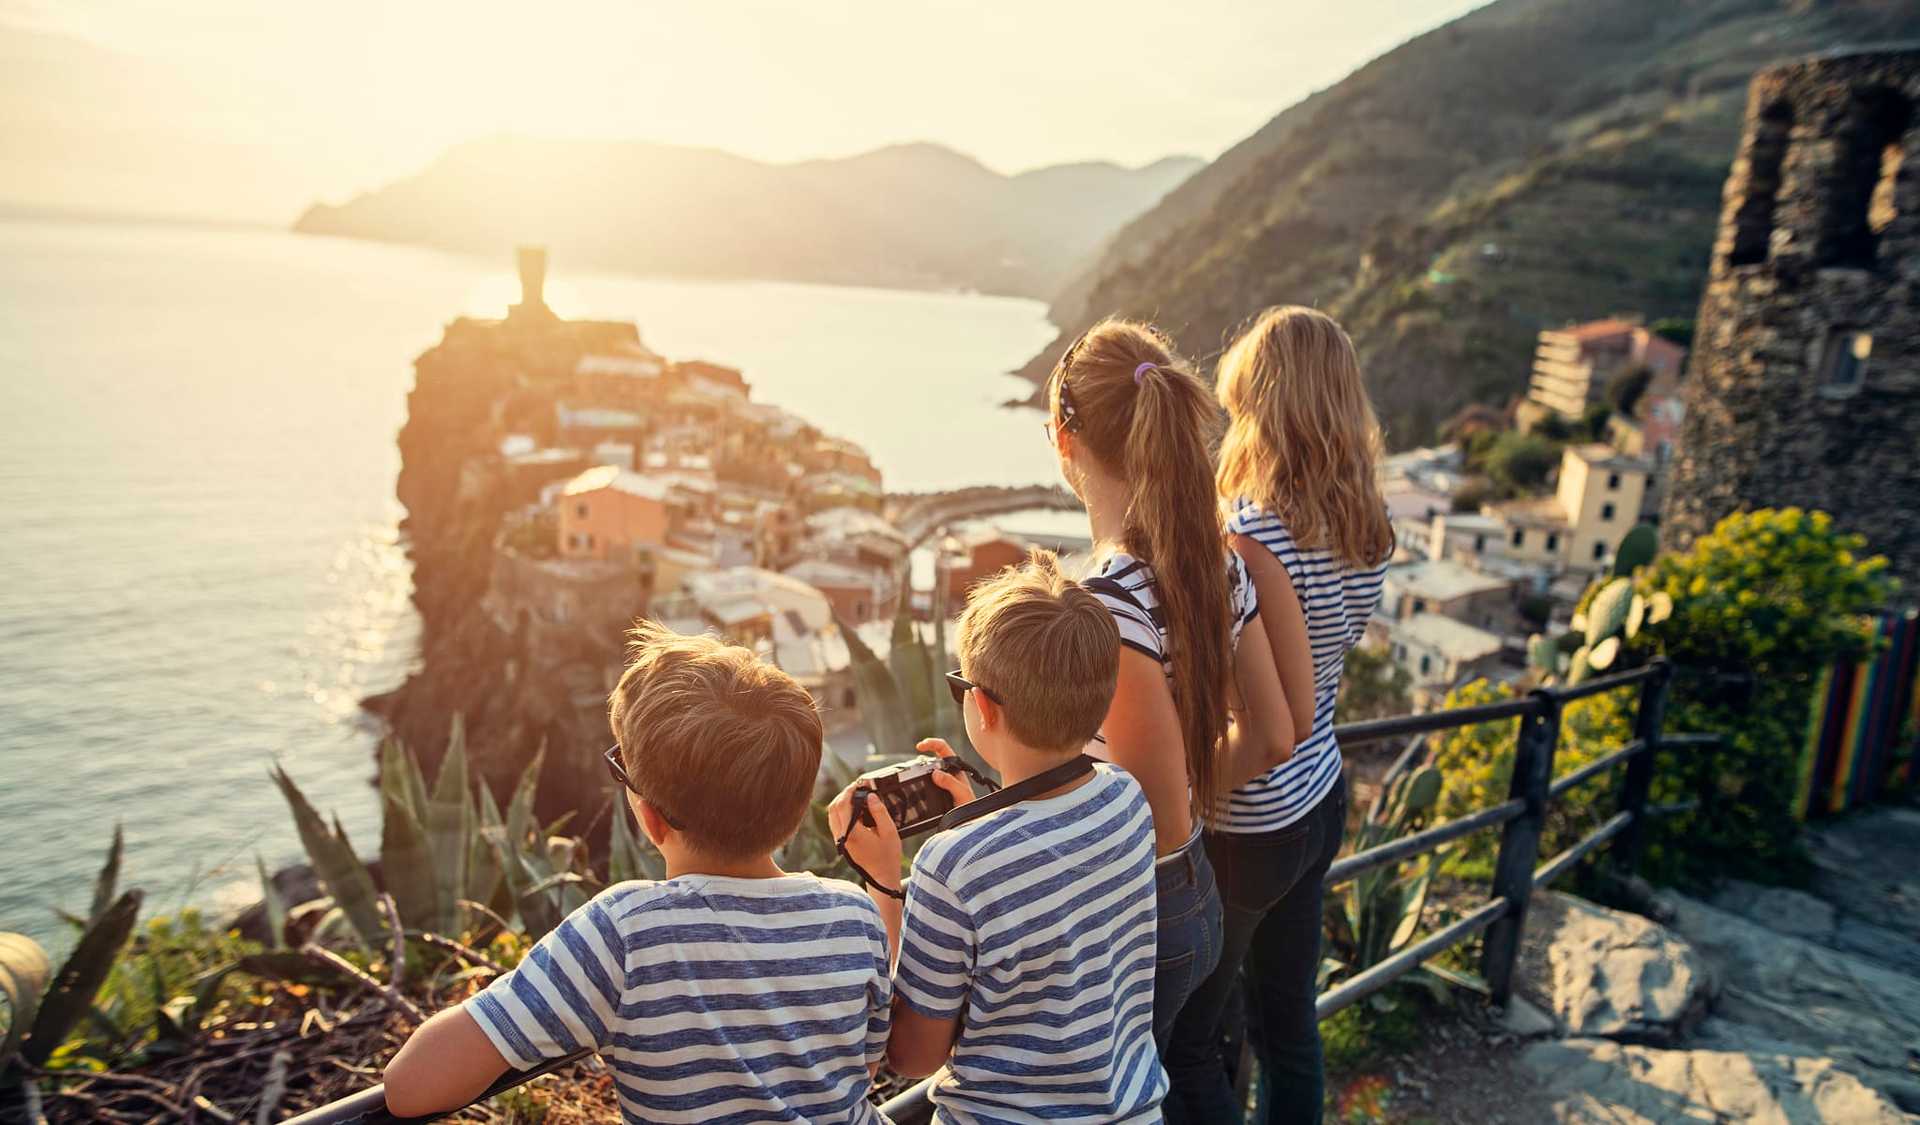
{"points": [[1757, 1004]]}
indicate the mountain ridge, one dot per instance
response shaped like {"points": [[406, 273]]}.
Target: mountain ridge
{"points": [[1529, 163], [917, 215]]}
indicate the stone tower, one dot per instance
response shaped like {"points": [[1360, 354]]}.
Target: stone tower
{"points": [[1804, 387]]}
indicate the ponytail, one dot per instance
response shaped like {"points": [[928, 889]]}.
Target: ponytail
{"points": [[1153, 423]]}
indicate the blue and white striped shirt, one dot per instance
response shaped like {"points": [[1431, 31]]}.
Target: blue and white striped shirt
{"points": [[712, 999], [1337, 601], [1038, 922]]}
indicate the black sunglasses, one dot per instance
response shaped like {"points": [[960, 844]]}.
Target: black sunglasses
{"points": [[619, 771], [959, 685]]}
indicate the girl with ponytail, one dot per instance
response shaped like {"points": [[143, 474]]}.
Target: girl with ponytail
{"points": [[1198, 707], [1297, 478]]}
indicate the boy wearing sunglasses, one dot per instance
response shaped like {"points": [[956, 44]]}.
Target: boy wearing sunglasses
{"points": [[1025, 956], [730, 990]]}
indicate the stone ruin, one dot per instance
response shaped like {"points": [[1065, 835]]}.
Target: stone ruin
{"points": [[1804, 385]]}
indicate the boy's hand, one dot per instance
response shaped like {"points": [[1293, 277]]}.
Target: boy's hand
{"points": [[876, 848], [956, 785]]}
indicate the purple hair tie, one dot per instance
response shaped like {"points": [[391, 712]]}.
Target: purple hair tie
{"points": [[1140, 372]]}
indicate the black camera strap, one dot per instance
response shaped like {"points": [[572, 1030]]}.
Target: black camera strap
{"points": [[993, 802], [1039, 783]]}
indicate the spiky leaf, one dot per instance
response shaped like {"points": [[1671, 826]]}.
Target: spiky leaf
{"points": [[70, 997], [25, 973], [273, 904], [335, 864], [1423, 789], [912, 668], [1600, 658], [108, 881], [520, 823], [408, 867], [882, 710], [449, 822]]}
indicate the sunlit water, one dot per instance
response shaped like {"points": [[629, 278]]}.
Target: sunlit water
{"points": [[199, 566]]}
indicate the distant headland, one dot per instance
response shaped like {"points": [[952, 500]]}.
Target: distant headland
{"points": [[908, 216]]}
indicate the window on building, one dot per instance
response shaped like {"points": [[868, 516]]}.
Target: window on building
{"points": [[589, 540], [580, 509], [1519, 536], [1843, 360], [1613, 482], [1861, 205], [1553, 540], [1419, 605], [1426, 663], [1606, 512], [1766, 152], [1599, 550], [1479, 543]]}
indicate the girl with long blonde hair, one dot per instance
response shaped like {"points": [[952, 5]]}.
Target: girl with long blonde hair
{"points": [[1198, 707], [1297, 479]]}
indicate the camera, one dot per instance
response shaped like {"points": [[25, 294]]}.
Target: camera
{"points": [[912, 799]]}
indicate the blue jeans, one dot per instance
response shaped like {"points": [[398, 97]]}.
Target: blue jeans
{"points": [[1189, 933], [1271, 890]]}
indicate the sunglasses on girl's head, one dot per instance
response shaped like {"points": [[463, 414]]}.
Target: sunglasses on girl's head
{"points": [[959, 685], [619, 771]]}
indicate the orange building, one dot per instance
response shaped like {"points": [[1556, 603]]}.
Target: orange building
{"points": [[607, 512]]}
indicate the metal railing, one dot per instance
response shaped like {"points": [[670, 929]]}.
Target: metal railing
{"points": [[1518, 871]]}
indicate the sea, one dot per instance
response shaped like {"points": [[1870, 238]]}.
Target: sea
{"points": [[201, 571]]}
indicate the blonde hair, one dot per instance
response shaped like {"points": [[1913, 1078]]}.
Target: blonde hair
{"points": [[1045, 649], [1302, 439], [724, 745], [1146, 418]]}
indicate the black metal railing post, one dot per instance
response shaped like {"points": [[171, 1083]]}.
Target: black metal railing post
{"points": [[1520, 840], [1637, 782]]}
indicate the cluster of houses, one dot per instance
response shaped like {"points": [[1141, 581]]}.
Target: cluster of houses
{"points": [[1466, 588]]}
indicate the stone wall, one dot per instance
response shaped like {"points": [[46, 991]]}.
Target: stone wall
{"points": [[1817, 260]]}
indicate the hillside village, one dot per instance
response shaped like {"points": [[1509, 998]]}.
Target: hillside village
{"points": [[1472, 575], [602, 482]]}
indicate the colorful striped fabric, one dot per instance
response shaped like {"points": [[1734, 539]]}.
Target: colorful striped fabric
{"points": [[1857, 744]]}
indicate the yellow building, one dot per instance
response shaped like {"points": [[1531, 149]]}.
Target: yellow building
{"points": [[1600, 491]]}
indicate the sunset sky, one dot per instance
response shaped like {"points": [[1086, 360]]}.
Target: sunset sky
{"points": [[247, 111]]}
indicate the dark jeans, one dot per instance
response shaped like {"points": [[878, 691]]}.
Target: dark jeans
{"points": [[1189, 935], [1270, 888]]}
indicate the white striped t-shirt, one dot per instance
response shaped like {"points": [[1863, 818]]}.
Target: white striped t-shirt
{"points": [[1337, 600], [712, 999], [1136, 605], [1038, 922]]}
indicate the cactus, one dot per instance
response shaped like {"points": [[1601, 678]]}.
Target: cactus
{"points": [[1636, 550], [442, 845], [1377, 914], [1613, 616]]}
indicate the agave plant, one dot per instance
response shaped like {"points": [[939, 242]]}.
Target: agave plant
{"points": [[448, 854], [1378, 913], [904, 698], [44, 1007], [1613, 616]]}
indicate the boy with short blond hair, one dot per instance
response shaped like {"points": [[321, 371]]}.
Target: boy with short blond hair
{"points": [[730, 990], [1026, 940]]}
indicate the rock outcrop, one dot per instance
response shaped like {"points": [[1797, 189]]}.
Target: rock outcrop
{"points": [[1615, 975], [1598, 1080]]}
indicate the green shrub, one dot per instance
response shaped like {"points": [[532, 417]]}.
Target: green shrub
{"points": [[1522, 462], [1477, 763], [1762, 606]]}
